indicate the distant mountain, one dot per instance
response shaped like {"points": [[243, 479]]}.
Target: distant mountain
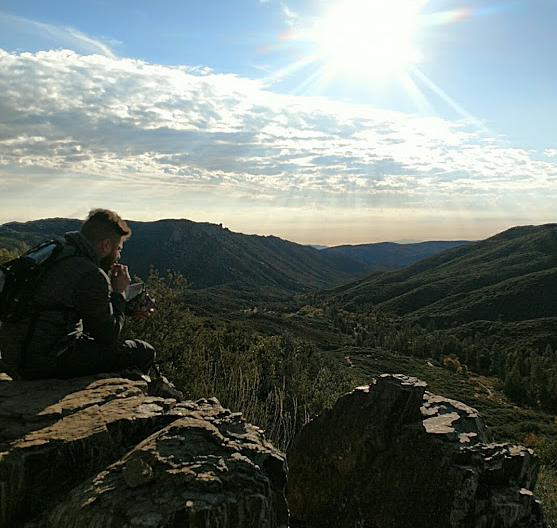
{"points": [[20, 236], [210, 255], [318, 246], [511, 276], [391, 255]]}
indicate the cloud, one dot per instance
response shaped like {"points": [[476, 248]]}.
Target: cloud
{"points": [[90, 124], [58, 35], [291, 18]]}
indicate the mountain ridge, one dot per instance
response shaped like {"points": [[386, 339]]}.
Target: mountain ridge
{"points": [[210, 255], [510, 275], [393, 255]]}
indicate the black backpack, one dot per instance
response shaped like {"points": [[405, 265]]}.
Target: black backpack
{"points": [[19, 278]]}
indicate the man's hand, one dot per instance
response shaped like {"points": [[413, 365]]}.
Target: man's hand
{"points": [[119, 277]]}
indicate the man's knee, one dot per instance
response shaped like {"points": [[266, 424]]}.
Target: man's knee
{"points": [[142, 354]]}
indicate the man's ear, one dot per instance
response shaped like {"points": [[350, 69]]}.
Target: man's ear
{"points": [[105, 246]]}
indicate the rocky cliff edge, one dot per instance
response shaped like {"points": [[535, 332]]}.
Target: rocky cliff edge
{"points": [[100, 452]]}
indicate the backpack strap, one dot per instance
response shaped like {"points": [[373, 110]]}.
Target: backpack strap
{"points": [[65, 251], [27, 339]]}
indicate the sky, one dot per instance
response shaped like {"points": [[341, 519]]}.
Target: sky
{"points": [[318, 121]]}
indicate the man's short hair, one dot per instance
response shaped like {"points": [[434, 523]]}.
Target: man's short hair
{"points": [[103, 223]]}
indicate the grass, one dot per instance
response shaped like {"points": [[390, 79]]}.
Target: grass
{"points": [[547, 490]]}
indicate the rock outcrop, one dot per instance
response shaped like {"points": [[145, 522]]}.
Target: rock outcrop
{"points": [[100, 452], [391, 455]]}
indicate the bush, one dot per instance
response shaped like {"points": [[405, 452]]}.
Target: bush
{"points": [[6, 255], [278, 382]]}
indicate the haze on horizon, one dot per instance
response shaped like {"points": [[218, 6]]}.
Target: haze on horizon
{"points": [[300, 120]]}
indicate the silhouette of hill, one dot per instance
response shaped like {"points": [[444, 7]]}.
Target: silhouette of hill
{"points": [[210, 255], [511, 276], [390, 255]]}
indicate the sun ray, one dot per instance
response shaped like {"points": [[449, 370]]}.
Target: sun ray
{"points": [[290, 69], [414, 92], [371, 44], [446, 97], [316, 80]]}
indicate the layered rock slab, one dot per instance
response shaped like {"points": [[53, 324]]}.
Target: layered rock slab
{"points": [[208, 468], [392, 455], [99, 451]]}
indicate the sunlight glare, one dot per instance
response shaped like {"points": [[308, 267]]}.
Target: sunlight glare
{"points": [[370, 38]]}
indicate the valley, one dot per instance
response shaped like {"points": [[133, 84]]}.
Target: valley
{"points": [[477, 321]]}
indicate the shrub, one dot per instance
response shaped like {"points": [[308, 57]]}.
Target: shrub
{"points": [[277, 382]]}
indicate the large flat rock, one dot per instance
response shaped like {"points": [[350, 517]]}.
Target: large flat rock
{"points": [[100, 452]]}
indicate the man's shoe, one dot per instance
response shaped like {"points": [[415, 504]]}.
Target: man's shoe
{"points": [[164, 388]]}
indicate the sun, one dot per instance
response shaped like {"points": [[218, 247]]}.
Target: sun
{"points": [[373, 38]]}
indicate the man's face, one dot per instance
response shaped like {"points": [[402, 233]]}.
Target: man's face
{"points": [[113, 255]]}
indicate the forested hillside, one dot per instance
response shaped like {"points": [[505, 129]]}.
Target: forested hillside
{"points": [[489, 307], [209, 255], [392, 256], [510, 276]]}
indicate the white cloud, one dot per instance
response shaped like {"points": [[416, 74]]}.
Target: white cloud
{"points": [[88, 124], [59, 35], [291, 17]]}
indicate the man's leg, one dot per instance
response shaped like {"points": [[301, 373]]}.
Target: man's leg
{"points": [[135, 353], [82, 355]]}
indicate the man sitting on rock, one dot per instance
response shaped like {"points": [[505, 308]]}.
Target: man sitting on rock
{"points": [[76, 330]]}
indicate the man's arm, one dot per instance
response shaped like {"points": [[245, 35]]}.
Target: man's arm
{"points": [[101, 309]]}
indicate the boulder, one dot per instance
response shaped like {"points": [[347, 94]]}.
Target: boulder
{"points": [[392, 455], [101, 452]]}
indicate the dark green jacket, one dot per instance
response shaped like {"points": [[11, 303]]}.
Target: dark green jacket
{"points": [[76, 298]]}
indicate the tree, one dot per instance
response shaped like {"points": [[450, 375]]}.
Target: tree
{"points": [[514, 387], [7, 255]]}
